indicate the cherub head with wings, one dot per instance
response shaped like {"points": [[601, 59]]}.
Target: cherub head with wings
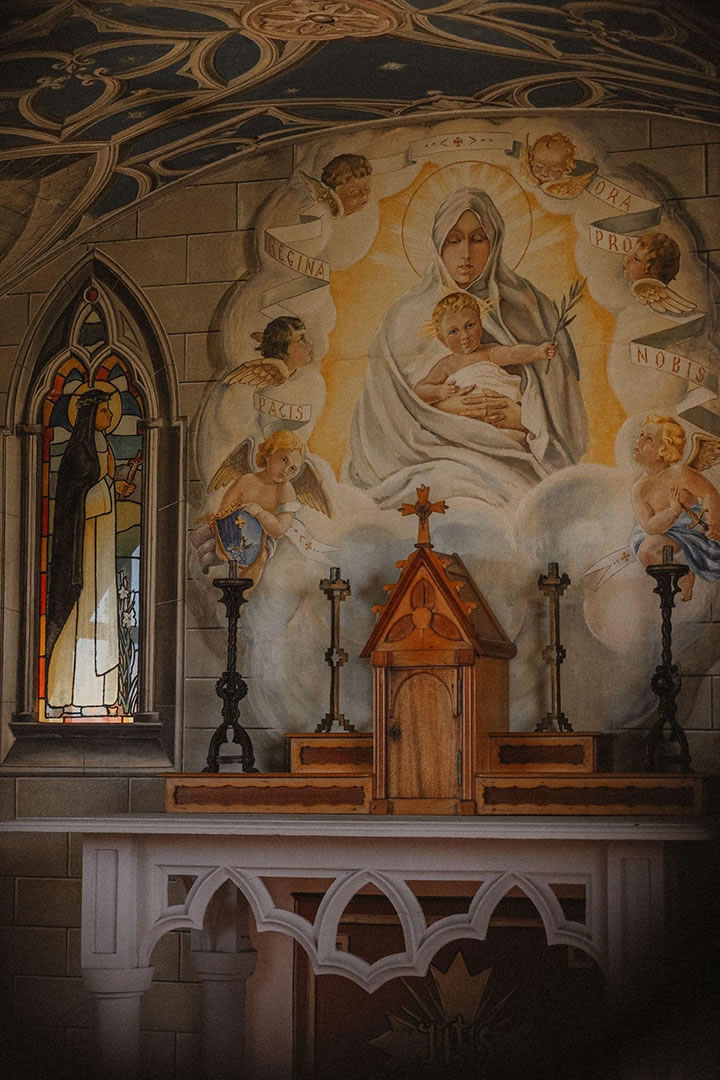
{"points": [[551, 165], [284, 346]]}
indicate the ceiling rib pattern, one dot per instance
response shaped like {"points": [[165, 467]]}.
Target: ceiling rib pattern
{"points": [[135, 95]]}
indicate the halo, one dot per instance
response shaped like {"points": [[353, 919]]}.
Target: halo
{"points": [[114, 404], [510, 198]]}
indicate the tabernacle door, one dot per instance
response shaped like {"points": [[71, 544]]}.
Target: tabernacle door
{"points": [[424, 732]]}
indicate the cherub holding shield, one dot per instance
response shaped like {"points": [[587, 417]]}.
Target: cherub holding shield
{"points": [[258, 507]]}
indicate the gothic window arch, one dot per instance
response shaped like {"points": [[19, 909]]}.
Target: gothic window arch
{"points": [[101, 473]]}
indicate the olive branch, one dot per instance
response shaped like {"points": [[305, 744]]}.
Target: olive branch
{"points": [[564, 318]]}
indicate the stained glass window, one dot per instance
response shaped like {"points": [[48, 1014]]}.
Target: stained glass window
{"points": [[91, 528]]}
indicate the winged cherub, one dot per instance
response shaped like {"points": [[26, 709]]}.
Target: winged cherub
{"points": [[675, 504], [550, 164], [258, 507], [284, 347], [650, 267]]}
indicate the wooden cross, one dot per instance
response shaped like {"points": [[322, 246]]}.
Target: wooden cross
{"points": [[423, 508]]}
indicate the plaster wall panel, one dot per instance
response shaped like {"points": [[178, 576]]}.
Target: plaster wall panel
{"points": [[8, 354], [13, 319], [191, 397], [220, 256], [7, 799], [34, 951], [123, 228], [48, 901], [157, 1054], [695, 702], [273, 165], [177, 345], [71, 796], [671, 131], [7, 901], [168, 1006], [187, 1056], [147, 795], [713, 169], [59, 1002], [36, 301], [205, 650], [27, 853], [705, 216], [250, 197], [704, 751], [203, 359], [165, 958], [159, 261], [621, 131], [45, 278], [186, 308], [684, 170], [189, 210]]}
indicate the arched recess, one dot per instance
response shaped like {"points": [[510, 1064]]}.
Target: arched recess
{"points": [[133, 335]]}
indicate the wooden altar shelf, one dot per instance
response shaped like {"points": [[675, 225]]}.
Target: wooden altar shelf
{"points": [[608, 794], [268, 793], [521, 752], [315, 753]]}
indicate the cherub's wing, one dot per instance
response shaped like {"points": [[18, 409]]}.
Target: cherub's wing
{"points": [[320, 192], [660, 297], [705, 451], [570, 186], [525, 163], [263, 371], [238, 463], [309, 489]]}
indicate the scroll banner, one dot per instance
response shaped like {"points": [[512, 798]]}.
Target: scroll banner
{"points": [[308, 545], [280, 414], [279, 242], [617, 233], [665, 351], [657, 351]]}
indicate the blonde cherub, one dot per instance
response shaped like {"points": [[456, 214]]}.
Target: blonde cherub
{"points": [[473, 372], [258, 507], [674, 504]]}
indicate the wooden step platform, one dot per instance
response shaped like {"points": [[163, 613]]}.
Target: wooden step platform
{"points": [[543, 752], [612, 793], [267, 793], [343, 752]]}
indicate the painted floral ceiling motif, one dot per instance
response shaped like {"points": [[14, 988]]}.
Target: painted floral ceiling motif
{"points": [[104, 101]]}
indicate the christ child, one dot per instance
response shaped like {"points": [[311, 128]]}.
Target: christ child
{"points": [[666, 502], [472, 368]]}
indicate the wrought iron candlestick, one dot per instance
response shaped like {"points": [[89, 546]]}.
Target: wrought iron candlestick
{"points": [[231, 686], [554, 585], [336, 590], [666, 681]]}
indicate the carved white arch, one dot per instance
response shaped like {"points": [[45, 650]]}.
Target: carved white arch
{"points": [[422, 942]]}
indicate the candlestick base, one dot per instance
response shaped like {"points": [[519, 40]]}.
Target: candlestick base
{"points": [[554, 721]]}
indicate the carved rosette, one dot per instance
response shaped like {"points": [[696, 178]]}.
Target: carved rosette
{"points": [[320, 20]]}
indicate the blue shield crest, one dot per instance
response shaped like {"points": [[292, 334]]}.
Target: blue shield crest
{"points": [[240, 537]]}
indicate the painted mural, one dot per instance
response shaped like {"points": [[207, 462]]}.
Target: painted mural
{"points": [[494, 311]]}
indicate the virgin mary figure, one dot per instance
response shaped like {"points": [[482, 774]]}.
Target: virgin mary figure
{"points": [[482, 444]]}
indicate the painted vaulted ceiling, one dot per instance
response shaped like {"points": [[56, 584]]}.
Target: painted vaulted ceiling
{"points": [[104, 102]]}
